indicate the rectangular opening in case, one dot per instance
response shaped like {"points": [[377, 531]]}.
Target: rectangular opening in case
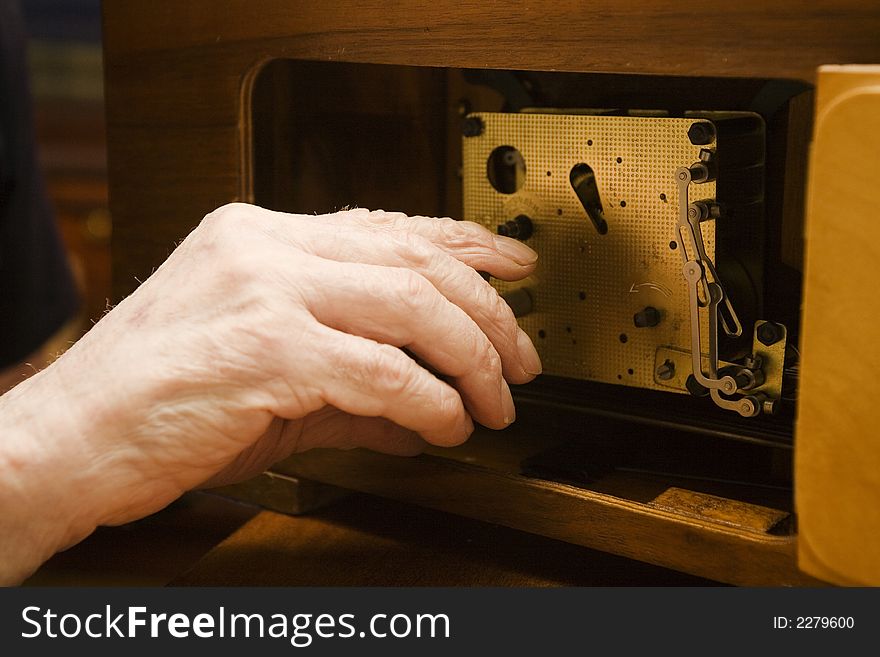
{"points": [[332, 135]]}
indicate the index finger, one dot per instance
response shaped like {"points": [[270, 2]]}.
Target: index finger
{"points": [[503, 257]]}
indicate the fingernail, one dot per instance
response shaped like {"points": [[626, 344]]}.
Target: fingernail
{"points": [[507, 403], [515, 250], [528, 355]]}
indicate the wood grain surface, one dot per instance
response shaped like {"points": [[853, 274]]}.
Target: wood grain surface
{"points": [[179, 76], [732, 552], [179, 82], [747, 38], [364, 541], [837, 458]]}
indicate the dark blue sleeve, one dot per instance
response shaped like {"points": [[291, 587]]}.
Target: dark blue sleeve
{"points": [[37, 292]]}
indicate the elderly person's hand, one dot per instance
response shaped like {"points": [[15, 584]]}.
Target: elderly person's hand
{"points": [[263, 334]]}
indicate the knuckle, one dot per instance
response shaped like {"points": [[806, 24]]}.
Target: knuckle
{"points": [[480, 353], [395, 220], [222, 228], [448, 405], [414, 291], [450, 229], [491, 358], [492, 308], [355, 215], [487, 298], [379, 219], [229, 213], [499, 313], [390, 369], [416, 250], [463, 233]]}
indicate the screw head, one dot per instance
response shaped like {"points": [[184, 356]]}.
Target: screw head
{"points": [[666, 370], [472, 126], [701, 133], [769, 333], [520, 228], [647, 317]]}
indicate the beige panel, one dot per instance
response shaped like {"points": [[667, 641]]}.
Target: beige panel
{"points": [[588, 285], [837, 450]]}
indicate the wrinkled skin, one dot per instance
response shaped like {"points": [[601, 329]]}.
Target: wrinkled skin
{"points": [[263, 334]]}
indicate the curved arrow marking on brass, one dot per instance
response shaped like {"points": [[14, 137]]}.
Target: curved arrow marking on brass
{"points": [[638, 287]]}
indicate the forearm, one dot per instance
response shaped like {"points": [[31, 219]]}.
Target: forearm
{"points": [[85, 442], [49, 480]]}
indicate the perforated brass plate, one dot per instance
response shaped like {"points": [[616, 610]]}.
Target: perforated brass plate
{"points": [[588, 286]]}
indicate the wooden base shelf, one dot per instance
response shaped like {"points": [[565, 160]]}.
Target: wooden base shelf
{"points": [[705, 535]]}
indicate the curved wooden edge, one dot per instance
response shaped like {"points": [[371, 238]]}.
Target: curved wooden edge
{"points": [[837, 459]]}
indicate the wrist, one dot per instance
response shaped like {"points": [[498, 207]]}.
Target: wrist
{"points": [[53, 477]]}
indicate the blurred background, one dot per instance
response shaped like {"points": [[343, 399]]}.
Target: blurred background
{"points": [[65, 60], [66, 75]]}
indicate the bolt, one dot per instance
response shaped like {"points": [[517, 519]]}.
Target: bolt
{"points": [[682, 175], [472, 126], [701, 133], [699, 173], [769, 333], [646, 317], [520, 228], [666, 370], [744, 379], [747, 408]]}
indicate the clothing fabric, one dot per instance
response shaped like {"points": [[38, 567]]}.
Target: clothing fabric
{"points": [[37, 291]]}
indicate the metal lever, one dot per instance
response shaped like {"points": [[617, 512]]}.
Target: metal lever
{"points": [[696, 264], [690, 215]]}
